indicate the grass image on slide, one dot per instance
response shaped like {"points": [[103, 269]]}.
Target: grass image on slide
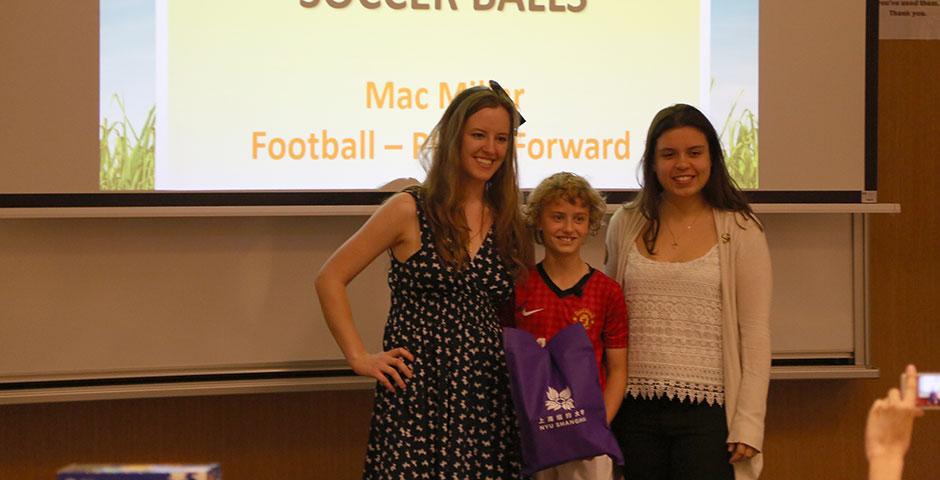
{"points": [[739, 140], [126, 153]]}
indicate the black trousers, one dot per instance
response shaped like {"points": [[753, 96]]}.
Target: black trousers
{"points": [[666, 439]]}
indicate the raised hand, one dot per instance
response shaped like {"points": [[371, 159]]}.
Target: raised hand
{"points": [[891, 420]]}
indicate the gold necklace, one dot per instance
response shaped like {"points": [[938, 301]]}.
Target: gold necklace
{"points": [[675, 239], [479, 233]]}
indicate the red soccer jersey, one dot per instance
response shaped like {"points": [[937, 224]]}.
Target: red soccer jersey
{"points": [[596, 302]]}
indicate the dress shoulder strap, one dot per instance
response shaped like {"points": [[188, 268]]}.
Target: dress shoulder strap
{"points": [[417, 192]]}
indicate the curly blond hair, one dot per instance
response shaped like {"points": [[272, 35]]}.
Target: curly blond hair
{"points": [[570, 187]]}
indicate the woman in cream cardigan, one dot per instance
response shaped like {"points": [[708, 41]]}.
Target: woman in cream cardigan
{"points": [[693, 262]]}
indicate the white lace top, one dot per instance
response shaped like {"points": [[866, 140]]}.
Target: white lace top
{"points": [[675, 328]]}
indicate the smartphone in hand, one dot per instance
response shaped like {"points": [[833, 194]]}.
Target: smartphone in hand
{"points": [[928, 389]]}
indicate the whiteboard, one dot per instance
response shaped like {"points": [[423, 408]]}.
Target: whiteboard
{"points": [[119, 297]]}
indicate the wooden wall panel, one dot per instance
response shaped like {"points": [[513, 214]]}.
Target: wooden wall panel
{"points": [[254, 437], [815, 428]]}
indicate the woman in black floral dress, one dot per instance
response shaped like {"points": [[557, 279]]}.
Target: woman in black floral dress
{"points": [[442, 405]]}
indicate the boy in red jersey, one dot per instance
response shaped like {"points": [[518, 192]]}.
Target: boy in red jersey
{"points": [[562, 289]]}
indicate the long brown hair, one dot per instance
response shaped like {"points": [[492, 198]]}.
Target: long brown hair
{"points": [[720, 191], [440, 156]]}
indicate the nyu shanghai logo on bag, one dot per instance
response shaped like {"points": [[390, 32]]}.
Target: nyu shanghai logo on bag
{"points": [[559, 400], [562, 403]]}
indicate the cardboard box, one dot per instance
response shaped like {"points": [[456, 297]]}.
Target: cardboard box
{"points": [[140, 472]]}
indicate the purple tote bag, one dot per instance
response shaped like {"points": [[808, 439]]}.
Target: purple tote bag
{"points": [[558, 400]]}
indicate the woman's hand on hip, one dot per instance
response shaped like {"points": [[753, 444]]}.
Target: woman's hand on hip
{"points": [[383, 365]]}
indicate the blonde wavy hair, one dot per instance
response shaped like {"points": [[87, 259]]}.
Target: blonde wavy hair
{"points": [[570, 187]]}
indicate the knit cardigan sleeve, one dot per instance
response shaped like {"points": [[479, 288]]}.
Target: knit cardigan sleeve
{"points": [[753, 284]]}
